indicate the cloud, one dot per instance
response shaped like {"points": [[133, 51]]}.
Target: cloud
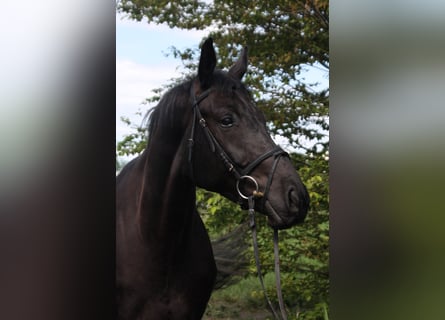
{"points": [[134, 83]]}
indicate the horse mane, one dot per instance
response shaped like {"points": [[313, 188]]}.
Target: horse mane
{"points": [[163, 114]]}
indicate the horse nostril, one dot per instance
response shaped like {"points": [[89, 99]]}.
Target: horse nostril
{"points": [[293, 199], [298, 203]]}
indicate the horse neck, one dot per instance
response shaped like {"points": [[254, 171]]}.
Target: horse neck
{"points": [[167, 199]]}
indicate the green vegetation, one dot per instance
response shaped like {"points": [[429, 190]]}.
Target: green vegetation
{"points": [[285, 38], [244, 300]]}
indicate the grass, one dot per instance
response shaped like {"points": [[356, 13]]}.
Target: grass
{"points": [[243, 300]]}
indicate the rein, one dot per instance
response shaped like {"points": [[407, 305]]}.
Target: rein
{"points": [[252, 225], [258, 265], [240, 175]]}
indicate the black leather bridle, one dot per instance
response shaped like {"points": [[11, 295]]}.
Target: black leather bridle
{"points": [[233, 168], [240, 175]]}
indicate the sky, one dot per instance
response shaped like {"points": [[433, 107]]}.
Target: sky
{"points": [[142, 65]]}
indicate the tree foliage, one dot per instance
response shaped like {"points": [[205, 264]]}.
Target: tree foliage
{"points": [[285, 38]]}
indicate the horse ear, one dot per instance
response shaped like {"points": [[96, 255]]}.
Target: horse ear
{"points": [[207, 63], [240, 67]]}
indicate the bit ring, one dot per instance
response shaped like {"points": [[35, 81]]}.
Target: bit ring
{"points": [[241, 194]]}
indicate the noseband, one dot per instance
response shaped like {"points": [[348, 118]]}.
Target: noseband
{"points": [[239, 172], [242, 174]]}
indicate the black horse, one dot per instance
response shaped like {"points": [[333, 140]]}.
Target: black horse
{"points": [[205, 132]]}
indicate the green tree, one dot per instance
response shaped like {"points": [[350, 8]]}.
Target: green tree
{"points": [[285, 38]]}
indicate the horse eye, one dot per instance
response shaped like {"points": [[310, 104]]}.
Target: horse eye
{"points": [[226, 122]]}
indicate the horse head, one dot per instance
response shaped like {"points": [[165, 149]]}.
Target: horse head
{"points": [[231, 151]]}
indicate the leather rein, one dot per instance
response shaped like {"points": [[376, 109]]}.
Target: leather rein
{"points": [[242, 174]]}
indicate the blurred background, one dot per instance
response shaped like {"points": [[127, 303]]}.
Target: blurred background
{"points": [[387, 159]]}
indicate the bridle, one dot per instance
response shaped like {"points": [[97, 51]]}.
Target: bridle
{"points": [[240, 175]]}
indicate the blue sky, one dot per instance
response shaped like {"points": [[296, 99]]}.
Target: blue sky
{"points": [[146, 43]]}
